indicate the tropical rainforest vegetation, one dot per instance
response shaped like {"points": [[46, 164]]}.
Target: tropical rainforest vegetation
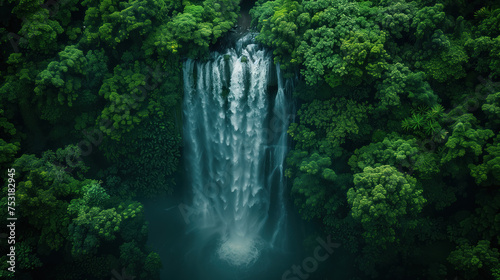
{"points": [[395, 150], [396, 145], [90, 121]]}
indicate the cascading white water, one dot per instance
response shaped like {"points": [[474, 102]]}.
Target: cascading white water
{"points": [[235, 145]]}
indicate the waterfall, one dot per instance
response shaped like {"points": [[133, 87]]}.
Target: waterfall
{"points": [[235, 146]]}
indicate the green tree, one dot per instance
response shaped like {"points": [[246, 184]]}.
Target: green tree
{"points": [[40, 33], [406, 154], [326, 125], [473, 260], [386, 203], [449, 64], [9, 141], [488, 172], [364, 56], [276, 22], [113, 23], [195, 25], [400, 84], [311, 183], [465, 138], [425, 121], [42, 194], [62, 80], [397, 17], [492, 108]]}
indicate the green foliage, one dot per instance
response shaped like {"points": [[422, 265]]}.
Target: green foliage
{"points": [[112, 22], [130, 256], [61, 212], [449, 64], [94, 195], [487, 215], [135, 95], [185, 24], [40, 33], [425, 120], [364, 54], [278, 29], [397, 18], [17, 79], [137, 262], [25, 8], [155, 148], [473, 259], [94, 225], [488, 172], [111, 68], [428, 19], [71, 62], [325, 126], [152, 263], [465, 138], [399, 55], [482, 224], [319, 53], [400, 84], [89, 267], [127, 101], [309, 187], [328, 38], [309, 34], [492, 107], [89, 227], [484, 52], [438, 193], [26, 257], [398, 152], [490, 22], [314, 164], [43, 193], [196, 25], [384, 200], [85, 65], [9, 141]]}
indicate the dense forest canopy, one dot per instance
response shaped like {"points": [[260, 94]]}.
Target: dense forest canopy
{"points": [[396, 140], [90, 112], [395, 151]]}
